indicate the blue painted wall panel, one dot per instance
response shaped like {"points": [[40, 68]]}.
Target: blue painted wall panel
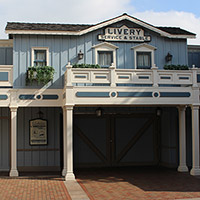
{"points": [[6, 56], [30, 156], [64, 49], [4, 139]]}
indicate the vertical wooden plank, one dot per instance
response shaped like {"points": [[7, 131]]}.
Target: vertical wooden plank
{"points": [[35, 154], [183, 57], [64, 54], [80, 47], [51, 141], [27, 154], [2, 56], [20, 136], [43, 154], [16, 60], [73, 50], [56, 52], [88, 49], [23, 60], [57, 112], [9, 56], [4, 140], [120, 57], [128, 56]]}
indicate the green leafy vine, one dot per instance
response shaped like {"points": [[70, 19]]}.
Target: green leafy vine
{"points": [[176, 67], [86, 66], [41, 74]]}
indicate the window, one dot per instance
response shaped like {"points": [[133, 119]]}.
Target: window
{"points": [[105, 54], [143, 60], [143, 56], [105, 58], [40, 56]]}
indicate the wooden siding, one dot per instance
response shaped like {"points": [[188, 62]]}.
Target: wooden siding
{"points": [[4, 139], [194, 59], [38, 156], [64, 49], [6, 56], [169, 137]]}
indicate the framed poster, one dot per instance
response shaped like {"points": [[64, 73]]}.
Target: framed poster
{"points": [[38, 132]]}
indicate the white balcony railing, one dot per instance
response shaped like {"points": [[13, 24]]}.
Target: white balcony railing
{"points": [[115, 77], [6, 75]]}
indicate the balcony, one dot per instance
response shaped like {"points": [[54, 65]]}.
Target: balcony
{"points": [[130, 86], [130, 77]]}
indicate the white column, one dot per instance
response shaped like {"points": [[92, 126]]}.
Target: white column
{"points": [[195, 141], [182, 140], [64, 171], [13, 171], [69, 142]]}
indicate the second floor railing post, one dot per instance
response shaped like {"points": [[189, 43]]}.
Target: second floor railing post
{"points": [[155, 76], [68, 80], [194, 76], [112, 75]]}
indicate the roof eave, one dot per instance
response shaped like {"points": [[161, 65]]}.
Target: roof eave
{"points": [[101, 25], [41, 32]]}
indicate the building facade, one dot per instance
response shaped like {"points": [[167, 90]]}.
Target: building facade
{"points": [[130, 111]]}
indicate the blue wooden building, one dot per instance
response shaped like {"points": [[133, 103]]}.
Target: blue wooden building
{"points": [[130, 111]]}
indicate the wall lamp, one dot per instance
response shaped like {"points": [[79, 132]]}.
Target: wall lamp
{"points": [[99, 112], [80, 55], [40, 114], [168, 57], [158, 111]]}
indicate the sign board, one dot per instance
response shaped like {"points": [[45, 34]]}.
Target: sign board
{"points": [[38, 132], [124, 34]]}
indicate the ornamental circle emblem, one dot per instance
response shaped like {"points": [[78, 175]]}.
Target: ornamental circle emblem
{"points": [[113, 94], [156, 94]]}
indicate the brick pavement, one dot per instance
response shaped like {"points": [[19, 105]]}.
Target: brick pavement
{"points": [[105, 184], [33, 188], [138, 184]]}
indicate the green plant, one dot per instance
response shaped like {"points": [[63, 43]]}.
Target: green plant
{"points": [[85, 66], [176, 67], [42, 74]]}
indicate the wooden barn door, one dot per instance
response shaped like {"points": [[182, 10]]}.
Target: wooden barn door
{"points": [[115, 140], [135, 140]]}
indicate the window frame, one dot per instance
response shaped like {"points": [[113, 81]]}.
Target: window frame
{"points": [[104, 52], [105, 46], [33, 49], [144, 48], [143, 53]]}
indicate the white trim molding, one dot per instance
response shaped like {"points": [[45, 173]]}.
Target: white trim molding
{"points": [[144, 48], [105, 46], [6, 43], [39, 48]]}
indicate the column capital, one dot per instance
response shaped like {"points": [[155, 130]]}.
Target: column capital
{"points": [[182, 107], [13, 108], [68, 107], [194, 107]]}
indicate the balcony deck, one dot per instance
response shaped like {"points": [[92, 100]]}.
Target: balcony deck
{"points": [[113, 86]]}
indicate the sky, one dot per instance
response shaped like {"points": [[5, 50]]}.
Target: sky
{"points": [[173, 13]]}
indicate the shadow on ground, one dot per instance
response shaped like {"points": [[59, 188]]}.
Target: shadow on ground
{"points": [[145, 178]]}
